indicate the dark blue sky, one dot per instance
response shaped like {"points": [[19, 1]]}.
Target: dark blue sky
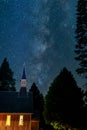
{"points": [[24, 25]]}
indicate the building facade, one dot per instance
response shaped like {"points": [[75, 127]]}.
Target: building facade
{"points": [[16, 109]]}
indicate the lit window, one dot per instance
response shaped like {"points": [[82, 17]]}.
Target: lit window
{"points": [[8, 120], [21, 120]]}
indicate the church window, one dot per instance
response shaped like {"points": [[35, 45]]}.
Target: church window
{"points": [[8, 120], [21, 120]]}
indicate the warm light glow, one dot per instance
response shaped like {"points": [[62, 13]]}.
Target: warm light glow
{"points": [[8, 120], [23, 83], [21, 120]]}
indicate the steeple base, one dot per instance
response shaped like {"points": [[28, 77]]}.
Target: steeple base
{"points": [[23, 92]]}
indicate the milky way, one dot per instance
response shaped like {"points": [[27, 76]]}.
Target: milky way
{"points": [[23, 31]]}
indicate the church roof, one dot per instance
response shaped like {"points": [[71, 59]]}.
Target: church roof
{"points": [[13, 102]]}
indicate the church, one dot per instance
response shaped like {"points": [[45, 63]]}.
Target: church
{"points": [[16, 109]]}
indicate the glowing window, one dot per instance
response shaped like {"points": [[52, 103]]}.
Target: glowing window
{"points": [[21, 120], [8, 120]]}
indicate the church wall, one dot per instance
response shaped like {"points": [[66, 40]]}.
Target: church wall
{"points": [[25, 122], [34, 125]]}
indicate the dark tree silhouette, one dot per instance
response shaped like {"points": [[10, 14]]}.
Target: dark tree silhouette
{"points": [[81, 47], [7, 82], [81, 37], [85, 112], [64, 100], [38, 102]]}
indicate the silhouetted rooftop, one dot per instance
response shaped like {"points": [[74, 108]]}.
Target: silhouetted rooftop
{"points": [[14, 102]]}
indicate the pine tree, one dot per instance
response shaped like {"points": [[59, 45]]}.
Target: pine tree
{"points": [[64, 100], [38, 102], [81, 37], [7, 82]]}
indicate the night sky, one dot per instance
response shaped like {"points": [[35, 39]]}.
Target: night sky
{"points": [[23, 31]]}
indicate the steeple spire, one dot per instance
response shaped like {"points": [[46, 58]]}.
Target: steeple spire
{"points": [[24, 73], [23, 79], [23, 91]]}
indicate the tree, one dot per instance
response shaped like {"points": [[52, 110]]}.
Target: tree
{"points": [[85, 110], [81, 37], [64, 100], [7, 82], [38, 102]]}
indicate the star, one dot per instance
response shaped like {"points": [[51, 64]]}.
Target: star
{"points": [[41, 34]]}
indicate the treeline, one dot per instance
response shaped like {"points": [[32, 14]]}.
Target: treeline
{"points": [[64, 105]]}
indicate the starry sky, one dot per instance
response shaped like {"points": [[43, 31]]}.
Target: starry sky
{"points": [[39, 33]]}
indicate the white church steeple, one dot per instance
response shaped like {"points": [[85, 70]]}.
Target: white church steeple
{"points": [[23, 90], [23, 79]]}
